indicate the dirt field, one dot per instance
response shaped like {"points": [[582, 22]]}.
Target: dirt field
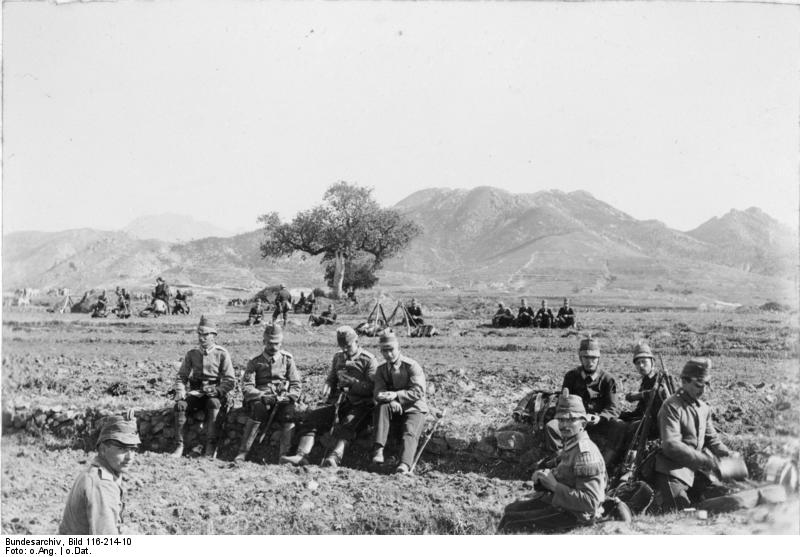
{"points": [[478, 374]]}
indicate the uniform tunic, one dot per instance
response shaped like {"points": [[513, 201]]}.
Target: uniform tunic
{"points": [[406, 378], [95, 503], [207, 367], [264, 373], [685, 428], [576, 499], [598, 392], [361, 367]]}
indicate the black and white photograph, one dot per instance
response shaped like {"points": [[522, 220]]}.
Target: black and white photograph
{"points": [[469, 269]]}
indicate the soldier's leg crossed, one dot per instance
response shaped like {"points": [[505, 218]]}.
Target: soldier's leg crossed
{"points": [[672, 494]]}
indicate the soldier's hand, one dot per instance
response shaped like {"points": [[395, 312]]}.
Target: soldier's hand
{"points": [[345, 381], [211, 390], [546, 479], [326, 390], [593, 419], [386, 396], [179, 396], [396, 407], [268, 400]]}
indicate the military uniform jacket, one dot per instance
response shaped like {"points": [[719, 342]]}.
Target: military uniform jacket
{"points": [[256, 311], [599, 393], [523, 310], [95, 503], [207, 367], [406, 378], [414, 311], [361, 367], [582, 478], [564, 312], [265, 373], [685, 427], [545, 312], [647, 384]]}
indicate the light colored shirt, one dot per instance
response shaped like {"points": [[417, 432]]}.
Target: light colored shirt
{"points": [[95, 503]]}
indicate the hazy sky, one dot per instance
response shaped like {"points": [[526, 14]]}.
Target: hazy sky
{"points": [[226, 110]]}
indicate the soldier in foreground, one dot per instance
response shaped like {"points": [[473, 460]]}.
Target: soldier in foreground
{"points": [[207, 371], [571, 494], [686, 429], [544, 317], [283, 303], [598, 391], [256, 314], [95, 503], [350, 386], [566, 316], [399, 396], [265, 392]]}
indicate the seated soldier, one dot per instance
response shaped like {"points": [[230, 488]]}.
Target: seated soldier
{"points": [[256, 314], [686, 429], [598, 390], [271, 383], [572, 493], [566, 316], [643, 362], [327, 317], [349, 388], [208, 373], [399, 396], [414, 313], [123, 309], [524, 314], [101, 306], [544, 317], [503, 316], [310, 301], [300, 306], [181, 305], [94, 505]]}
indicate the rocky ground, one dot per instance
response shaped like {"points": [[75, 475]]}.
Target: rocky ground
{"points": [[476, 373]]}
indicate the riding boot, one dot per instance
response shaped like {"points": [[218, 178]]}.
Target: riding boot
{"points": [[286, 439], [304, 447], [211, 432], [248, 436], [335, 458], [179, 423]]}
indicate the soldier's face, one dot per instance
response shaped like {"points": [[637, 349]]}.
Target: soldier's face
{"points": [[390, 352], [349, 348], [695, 387], [570, 427], [644, 366], [118, 456], [590, 363], [206, 340], [271, 347]]}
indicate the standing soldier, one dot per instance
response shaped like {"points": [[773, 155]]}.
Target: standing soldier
{"points": [[208, 372], [686, 428], [161, 291], [566, 316], [598, 391], [283, 303], [264, 391], [95, 505], [350, 386], [399, 395], [570, 495]]}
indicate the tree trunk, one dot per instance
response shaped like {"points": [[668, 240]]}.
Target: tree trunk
{"points": [[338, 275]]}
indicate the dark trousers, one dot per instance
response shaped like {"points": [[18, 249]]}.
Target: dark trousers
{"points": [[352, 420], [413, 423], [675, 495], [260, 412], [194, 403], [530, 515]]}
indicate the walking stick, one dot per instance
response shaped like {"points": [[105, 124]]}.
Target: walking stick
{"points": [[439, 415], [336, 406]]}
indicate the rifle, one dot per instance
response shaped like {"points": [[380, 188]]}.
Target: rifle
{"points": [[337, 404], [636, 450], [263, 431]]}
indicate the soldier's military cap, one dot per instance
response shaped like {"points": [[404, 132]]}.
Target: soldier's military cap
{"points": [[642, 350], [570, 406], [697, 368], [120, 429], [345, 334], [206, 325], [388, 338], [589, 347], [273, 333]]}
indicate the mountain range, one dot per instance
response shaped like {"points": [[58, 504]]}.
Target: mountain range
{"points": [[548, 242]]}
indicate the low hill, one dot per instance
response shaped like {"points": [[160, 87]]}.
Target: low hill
{"points": [[171, 227]]}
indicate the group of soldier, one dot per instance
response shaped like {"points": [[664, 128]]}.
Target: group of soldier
{"points": [[583, 444], [542, 318], [159, 298]]}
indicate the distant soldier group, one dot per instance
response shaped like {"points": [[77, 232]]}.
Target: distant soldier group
{"points": [[542, 318]]}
